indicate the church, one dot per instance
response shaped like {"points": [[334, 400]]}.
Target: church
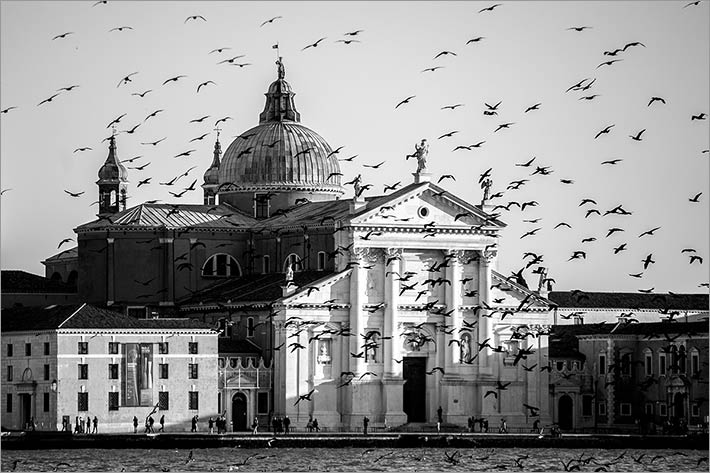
{"points": [[388, 307]]}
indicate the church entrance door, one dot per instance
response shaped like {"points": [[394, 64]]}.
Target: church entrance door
{"points": [[239, 412], [565, 412], [414, 373], [25, 409]]}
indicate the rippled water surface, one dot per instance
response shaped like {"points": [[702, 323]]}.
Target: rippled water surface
{"points": [[353, 459]]}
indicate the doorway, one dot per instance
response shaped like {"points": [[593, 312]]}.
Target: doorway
{"points": [[239, 412], [25, 410], [565, 409], [414, 391], [679, 406]]}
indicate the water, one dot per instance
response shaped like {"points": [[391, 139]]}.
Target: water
{"points": [[351, 459]]}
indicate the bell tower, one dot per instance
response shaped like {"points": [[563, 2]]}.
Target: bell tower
{"points": [[211, 177], [113, 179]]}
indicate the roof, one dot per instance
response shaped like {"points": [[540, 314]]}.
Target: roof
{"points": [[84, 316], [174, 216], [252, 288], [71, 253], [652, 328], [17, 281], [236, 346], [629, 300]]}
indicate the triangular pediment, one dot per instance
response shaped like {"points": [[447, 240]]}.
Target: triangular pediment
{"points": [[425, 204], [323, 292], [506, 293]]}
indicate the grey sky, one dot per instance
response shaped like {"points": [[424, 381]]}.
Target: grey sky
{"points": [[347, 93]]}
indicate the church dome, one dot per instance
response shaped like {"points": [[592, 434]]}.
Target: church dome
{"points": [[280, 154], [113, 170]]}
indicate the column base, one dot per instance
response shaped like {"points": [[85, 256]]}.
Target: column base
{"points": [[394, 415]]}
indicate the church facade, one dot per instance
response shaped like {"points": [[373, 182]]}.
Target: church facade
{"points": [[387, 307]]}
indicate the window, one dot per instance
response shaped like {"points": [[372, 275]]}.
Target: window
{"points": [[625, 409], [262, 403], [113, 371], [648, 364], [8, 403], [649, 408], [662, 409], [83, 348], [163, 400], [9, 373], [113, 348], [661, 364], [266, 264], [694, 362], [136, 312], [626, 364], [261, 206], [695, 410], [294, 262], [221, 265], [9, 349], [250, 327], [602, 364], [45, 402], [682, 359], [560, 365], [192, 370], [46, 372], [192, 348], [163, 348], [46, 348], [28, 349], [83, 371], [82, 402], [193, 401], [601, 408], [112, 401], [321, 260], [587, 406], [163, 371]]}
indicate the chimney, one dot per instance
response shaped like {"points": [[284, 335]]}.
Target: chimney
{"points": [[357, 204], [288, 289]]}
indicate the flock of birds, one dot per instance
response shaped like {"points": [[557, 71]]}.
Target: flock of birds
{"points": [[539, 171]]}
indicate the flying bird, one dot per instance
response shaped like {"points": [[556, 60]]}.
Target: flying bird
{"points": [[314, 45], [605, 130], [354, 33], [47, 100], [404, 101], [432, 69], [74, 194], [637, 137], [579, 28], [490, 8], [702, 116], [696, 198], [444, 53], [173, 79], [475, 40], [195, 17], [126, 79], [656, 99], [533, 107], [609, 63], [82, 149], [142, 94], [452, 107], [63, 35], [155, 143], [504, 125], [5, 110], [270, 21], [204, 84], [120, 28], [218, 50]]}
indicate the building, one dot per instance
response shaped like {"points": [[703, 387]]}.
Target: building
{"points": [[640, 364], [61, 362], [387, 306], [20, 288]]}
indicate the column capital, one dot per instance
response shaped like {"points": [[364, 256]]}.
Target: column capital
{"points": [[392, 252], [165, 240], [369, 255], [110, 240], [488, 256]]}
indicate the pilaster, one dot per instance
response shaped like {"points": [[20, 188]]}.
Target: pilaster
{"points": [[392, 345]]}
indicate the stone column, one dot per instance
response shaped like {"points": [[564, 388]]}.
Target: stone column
{"points": [[110, 273], [357, 315], [453, 300], [392, 346], [485, 327]]}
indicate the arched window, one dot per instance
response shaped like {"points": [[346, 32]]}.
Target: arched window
{"points": [[294, 261], [694, 362], [674, 359], [112, 198], [648, 362], [321, 260], [250, 327], [56, 277], [266, 262], [71, 279], [221, 265], [682, 360], [626, 364]]}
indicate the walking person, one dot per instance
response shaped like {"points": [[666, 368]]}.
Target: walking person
{"points": [[210, 425], [96, 425], [439, 419], [194, 423], [365, 421], [503, 429], [536, 426], [135, 424], [255, 426], [151, 421], [287, 424], [315, 425], [162, 423]]}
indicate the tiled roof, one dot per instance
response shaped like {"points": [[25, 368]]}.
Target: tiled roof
{"points": [[236, 346], [175, 216], [84, 316], [71, 253], [629, 300], [255, 288], [633, 328], [16, 281]]}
